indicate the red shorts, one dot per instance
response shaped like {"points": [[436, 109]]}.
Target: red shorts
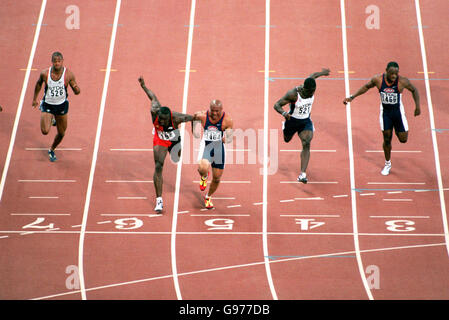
{"points": [[159, 142]]}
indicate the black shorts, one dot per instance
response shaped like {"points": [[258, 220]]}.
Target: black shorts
{"points": [[55, 109], [214, 152], [393, 118], [292, 126]]}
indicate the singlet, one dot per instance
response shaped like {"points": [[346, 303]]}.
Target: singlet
{"points": [[302, 108], [213, 132], [167, 133], [55, 91], [390, 96]]}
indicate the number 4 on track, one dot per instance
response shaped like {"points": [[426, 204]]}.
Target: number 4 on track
{"points": [[308, 224]]}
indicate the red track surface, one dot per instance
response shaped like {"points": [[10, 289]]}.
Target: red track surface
{"points": [[128, 253]]}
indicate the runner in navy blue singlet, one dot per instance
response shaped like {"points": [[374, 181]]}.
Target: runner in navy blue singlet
{"points": [[217, 127], [392, 114]]}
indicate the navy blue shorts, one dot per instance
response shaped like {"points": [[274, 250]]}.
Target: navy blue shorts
{"points": [[292, 126], [214, 152], [55, 109], [393, 118]]}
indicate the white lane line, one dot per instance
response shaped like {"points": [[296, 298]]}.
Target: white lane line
{"points": [[129, 181], [311, 215], [40, 214], [59, 149], [351, 155], [234, 206], [220, 215], [132, 198], [312, 182], [406, 200], [397, 151], [150, 215], [103, 222], [367, 194], [3, 237], [179, 165], [299, 150], [411, 217], [236, 267], [288, 200], [341, 196], [265, 152], [224, 198], [22, 98], [132, 150], [410, 183], [46, 181], [43, 197], [180, 212], [77, 226], [95, 153], [314, 198], [394, 192], [258, 203], [226, 181], [432, 125]]}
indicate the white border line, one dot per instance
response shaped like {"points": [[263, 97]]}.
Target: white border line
{"points": [[179, 165], [95, 152], [265, 151], [432, 125], [22, 98], [351, 154]]}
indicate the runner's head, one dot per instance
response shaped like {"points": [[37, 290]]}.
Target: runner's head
{"points": [[392, 71], [57, 60], [309, 87], [215, 109], [164, 115]]}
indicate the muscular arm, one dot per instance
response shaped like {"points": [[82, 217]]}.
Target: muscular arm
{"points": [[38, 87], [289, 97], [198, 119], [410, 87], [73, 84], [229, 130], [323, 72], [181, 117], [155, 104], [371, 84]]}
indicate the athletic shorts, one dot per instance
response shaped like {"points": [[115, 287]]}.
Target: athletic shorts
{"points": [[292, 126], [55, 109], [214, 152], [171, 145], [393, 118]]}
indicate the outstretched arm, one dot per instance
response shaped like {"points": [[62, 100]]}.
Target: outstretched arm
{"points": [[362, 90], [155, 104], [37, 88], [323, 72], [289, 97], [410, 87], [73, 84], [181, 117]]}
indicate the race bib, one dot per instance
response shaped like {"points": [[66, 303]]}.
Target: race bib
{"points": [[389, 98], [212, 135], [163, 135]]}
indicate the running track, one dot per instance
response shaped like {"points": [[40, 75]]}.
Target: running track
{"points": [[83, 227]]}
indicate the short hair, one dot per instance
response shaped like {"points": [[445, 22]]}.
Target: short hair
{"points": [[309, 83], [56, 54], [392, 64], [164, 111]]}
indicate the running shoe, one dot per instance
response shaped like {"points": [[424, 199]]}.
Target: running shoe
{"points": [[159, 205], [302, 178], [208, 202], [203, 182], [386, 170], [52, 156]]}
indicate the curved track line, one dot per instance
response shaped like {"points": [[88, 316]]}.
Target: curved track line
{"points": [[179, 165], [432, 124], [95, 152], [240, 266], [351, 154], [265, 151], [22, 98]]}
